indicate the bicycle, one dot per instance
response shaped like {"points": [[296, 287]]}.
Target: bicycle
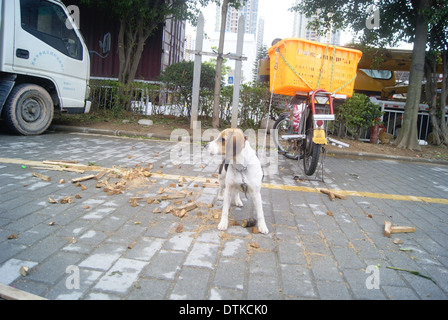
{"points": [[302, 130]]}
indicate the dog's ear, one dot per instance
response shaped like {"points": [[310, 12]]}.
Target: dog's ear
{"points": [[234, 144]]}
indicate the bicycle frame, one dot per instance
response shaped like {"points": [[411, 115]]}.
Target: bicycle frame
{"points": [[319, 136], [319, 119]]}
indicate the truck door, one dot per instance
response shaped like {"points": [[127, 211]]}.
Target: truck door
{"points": [[47, 45]]}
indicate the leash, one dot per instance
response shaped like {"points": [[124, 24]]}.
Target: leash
{"points": [[244, 185]]}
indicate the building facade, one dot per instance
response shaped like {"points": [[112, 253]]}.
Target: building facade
{"points": [[165, 47]]}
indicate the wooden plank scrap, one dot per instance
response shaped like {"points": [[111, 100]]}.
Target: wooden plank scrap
{"points": [[389, 229], [11, 293], [41, 176], [84, 178], [333, 194], [101, 174]]}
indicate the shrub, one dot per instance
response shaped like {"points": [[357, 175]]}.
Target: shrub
{"points": [[358, 113]]}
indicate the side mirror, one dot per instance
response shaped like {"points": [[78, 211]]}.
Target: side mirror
{"points": [[105, 44]]}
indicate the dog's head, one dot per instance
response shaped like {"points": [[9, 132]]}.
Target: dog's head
{"points": [[229, 143]]}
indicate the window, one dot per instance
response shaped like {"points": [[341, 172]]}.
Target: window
{"points": [[378, 74], [47, 22]]}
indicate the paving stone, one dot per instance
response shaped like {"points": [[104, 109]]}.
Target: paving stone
{"points": [[262, 287], [329, 290], [191, 284], [121, 276], [103, 257], [230, 273], [10, 270], [149, 289], [165, 265], [202, 255], [52, 269], [145, 248], [297, 281]]}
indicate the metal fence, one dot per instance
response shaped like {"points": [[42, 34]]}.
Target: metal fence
{"points": [[144, 101], [163, 101]]}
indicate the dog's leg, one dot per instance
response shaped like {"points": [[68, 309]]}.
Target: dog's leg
{"points": [[222, 186], [237, 200], [258, 204], [223, 224]]}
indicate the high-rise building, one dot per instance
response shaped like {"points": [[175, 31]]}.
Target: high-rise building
{"points": [[250, 13], [300, 30]]}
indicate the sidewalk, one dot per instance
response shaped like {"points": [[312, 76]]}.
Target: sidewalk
{"points": [[103, 247]]}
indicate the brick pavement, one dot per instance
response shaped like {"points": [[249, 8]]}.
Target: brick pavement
{"points": [[112, 250]]}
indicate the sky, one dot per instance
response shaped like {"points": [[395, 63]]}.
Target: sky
{"points": [[278, 21]]}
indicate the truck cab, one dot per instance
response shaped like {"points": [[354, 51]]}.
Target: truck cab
{"points": [[44, 64]]}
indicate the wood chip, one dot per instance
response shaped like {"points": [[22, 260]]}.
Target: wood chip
{"points": [[67, 199], [12, 236], [389, 229], [84, 178], [254, 245], [157, 210], [179, 213], [210, 185], [179, 228], [24, 271], [332, 194], [51, 200], [188, 207], [101, 174], [41, 176]]}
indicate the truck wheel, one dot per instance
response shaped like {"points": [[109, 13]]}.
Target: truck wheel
{"points": [[29, 109]]}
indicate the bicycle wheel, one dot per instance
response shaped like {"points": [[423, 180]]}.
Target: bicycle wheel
{"points": [[311, 151], [288, 148]]}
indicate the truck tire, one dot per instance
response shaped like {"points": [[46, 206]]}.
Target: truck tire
{"points": [[29, 109]]}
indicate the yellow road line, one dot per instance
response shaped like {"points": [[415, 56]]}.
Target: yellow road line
{"points": [[397, 197], [387, 196]]}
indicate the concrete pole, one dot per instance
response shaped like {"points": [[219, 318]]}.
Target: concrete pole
{"points": [[197, 73], [237, 76]]}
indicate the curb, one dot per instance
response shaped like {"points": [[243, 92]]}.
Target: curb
{"points": [[336, 153]]}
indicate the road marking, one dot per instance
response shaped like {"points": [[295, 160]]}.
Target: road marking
{"points": [[396, 197]]}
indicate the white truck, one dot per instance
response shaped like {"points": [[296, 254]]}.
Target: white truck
{"points": [[44, 64]]}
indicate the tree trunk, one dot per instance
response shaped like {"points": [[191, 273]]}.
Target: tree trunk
{"points": [[216, 95], [443, 96], [408, 136], [131, 43], [121, 55], [431, 97]]}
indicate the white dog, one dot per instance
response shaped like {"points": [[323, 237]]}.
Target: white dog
{"points": [[240, 171]]}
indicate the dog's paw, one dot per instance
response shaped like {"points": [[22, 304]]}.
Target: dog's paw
{"points": [[223, 225], [220, 197], [237, 202], [262, 228]]}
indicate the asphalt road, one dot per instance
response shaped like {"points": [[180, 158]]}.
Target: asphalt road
{"points": [[101, 245]]}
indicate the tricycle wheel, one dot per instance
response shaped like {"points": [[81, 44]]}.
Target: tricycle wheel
{"points": [[311, 151]]}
